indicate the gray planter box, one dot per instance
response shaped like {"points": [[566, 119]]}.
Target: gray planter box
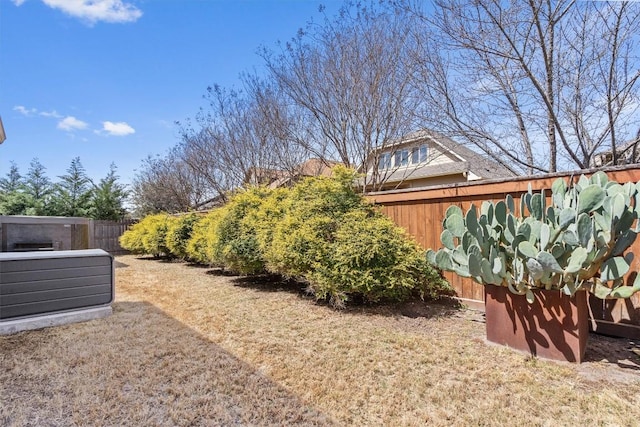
{"points": [[41, 283]]}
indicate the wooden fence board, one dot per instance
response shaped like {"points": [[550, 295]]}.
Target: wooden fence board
{"points": [[106, 235]]}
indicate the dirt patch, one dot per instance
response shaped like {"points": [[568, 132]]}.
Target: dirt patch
{"points": [[611, 359]]}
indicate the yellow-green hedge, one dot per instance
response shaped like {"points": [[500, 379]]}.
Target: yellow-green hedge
{"points": [[371, 257], [179, 233], [321, 232], [148, 236], [204, 237], [237, 241]]}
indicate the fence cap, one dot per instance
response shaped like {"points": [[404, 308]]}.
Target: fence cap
{"points": [[501, 185], [32, 219]]}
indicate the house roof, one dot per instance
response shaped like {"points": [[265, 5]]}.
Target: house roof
{"points": [[275, 178], [263, 175], [627, 153], [469, 160], [316, 167], [311, 167]]}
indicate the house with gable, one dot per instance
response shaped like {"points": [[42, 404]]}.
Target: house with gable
{"points": [[427, 158]]}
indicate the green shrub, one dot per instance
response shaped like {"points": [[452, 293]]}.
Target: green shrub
{"points": [[334, 239], [237, 243], [373, 258], [312, 212], [148, 236], [321, 232], [179, 232], [131, 239], [266, 217], [155, 239], [204, 237]]}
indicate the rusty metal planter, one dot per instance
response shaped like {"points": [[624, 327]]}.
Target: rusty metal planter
{"points": [[554, 326]]}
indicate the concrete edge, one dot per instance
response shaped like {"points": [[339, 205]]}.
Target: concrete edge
{"points": [[8, 327]]}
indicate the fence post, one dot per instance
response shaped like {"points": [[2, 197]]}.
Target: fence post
{"points": [[92, 239]]}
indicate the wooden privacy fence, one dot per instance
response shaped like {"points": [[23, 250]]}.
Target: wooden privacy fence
{"points": [[421, 212], [20, 232], [105, 235]]}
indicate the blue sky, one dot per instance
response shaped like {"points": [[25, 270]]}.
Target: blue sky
{"points": [[105, 80]]}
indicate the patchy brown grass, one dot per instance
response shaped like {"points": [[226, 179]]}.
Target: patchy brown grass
{"points": [[189, 348]]}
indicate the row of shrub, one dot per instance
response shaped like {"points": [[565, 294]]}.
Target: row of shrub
{"points": [[321, 232]]}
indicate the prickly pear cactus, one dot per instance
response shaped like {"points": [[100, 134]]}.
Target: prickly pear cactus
{"points": [[578, 242]]}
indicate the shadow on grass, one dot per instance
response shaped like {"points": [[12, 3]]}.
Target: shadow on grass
{"points": [[221, 272], [149, 258], [413, 308], [191, 264], [118, 264], [138, 367], [272, 283], [160, 258]]}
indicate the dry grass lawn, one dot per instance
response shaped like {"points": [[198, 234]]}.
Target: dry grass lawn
{"points": [[188, 347]]}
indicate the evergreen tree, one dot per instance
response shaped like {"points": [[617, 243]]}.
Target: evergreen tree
{"points": [[73, 193], [13, 200], [13, 181], [15, 203], [38, 187], [109, 197]]}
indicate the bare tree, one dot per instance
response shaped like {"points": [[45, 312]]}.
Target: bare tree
{"points": [[166, 184], [242, 134], [276, 122], [351, 81], [538, 85], [601, 93], [198, 150]]}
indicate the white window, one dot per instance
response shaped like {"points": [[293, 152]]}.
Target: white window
{"points": [[419, 154], [401, 158], [415, 156], [384, 162]]}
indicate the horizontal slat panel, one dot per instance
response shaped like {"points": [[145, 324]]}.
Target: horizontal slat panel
{"points": [[52, 306], [7, 300], [9, 266], [60, 273], [13, 288]]}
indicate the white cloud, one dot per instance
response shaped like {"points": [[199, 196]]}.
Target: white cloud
{"points": [[18, 2], [70, 123], [53, 114], [24, 110], [117, 129], [92, 11]]}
